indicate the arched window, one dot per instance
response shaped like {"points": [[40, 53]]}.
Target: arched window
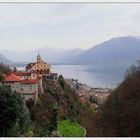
{"points": [[48, 71]]}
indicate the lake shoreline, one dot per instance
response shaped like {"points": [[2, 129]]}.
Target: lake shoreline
{"points": [[84, 91], [84, 75]]}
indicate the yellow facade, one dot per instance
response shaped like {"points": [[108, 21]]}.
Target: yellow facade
{"points": [[40, 67]]}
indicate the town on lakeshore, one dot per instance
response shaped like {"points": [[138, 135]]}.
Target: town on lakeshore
{"points": [[28, 82]]}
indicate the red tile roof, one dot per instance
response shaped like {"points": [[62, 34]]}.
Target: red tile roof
{"points": [[29, 81], [13, 78], [4, 75], [22, 73]]}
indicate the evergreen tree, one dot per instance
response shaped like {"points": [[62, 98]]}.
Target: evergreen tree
{"points": [[15, 69], [4, 68], [14, 115]]}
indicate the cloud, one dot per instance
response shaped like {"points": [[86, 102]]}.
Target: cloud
{"points": [[64, 25]]}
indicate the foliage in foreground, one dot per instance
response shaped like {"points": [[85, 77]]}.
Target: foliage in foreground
{"points": [[57, 102], [120, 116], [14, 117]]}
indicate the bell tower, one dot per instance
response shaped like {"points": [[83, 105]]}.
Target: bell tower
{"points": [[39, 58], [39, 67]]}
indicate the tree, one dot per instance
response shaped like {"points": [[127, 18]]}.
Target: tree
{"points": [[13, 113], [61, 80], [1, 76], [15, 69], [120, 114], [92, 99], [5, 69], [53, 119]]}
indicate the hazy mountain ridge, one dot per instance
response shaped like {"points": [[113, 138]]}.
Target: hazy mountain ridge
{"points": [[4, 59], [48, 54], [119, 49]]}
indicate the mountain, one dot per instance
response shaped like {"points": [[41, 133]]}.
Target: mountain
{"points": [[4, 59], [121, 51], [126, 49], [50, 55]]}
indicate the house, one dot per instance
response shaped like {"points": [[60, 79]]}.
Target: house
{"points": [[13, 82], [21, 84], [25, 74], [22, 74]]}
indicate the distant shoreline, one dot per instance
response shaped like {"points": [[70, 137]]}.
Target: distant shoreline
{"points": [[82, 74], [24, 64]]}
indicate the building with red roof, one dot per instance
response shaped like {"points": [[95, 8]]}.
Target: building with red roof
{"points": [[12, 78], [27, 87], [25, 74], [12, 81], [29, 81]]}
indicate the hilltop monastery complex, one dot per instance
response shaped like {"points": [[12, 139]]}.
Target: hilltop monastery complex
{"points": [[29, 81]]}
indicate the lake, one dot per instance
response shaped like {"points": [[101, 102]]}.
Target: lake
{"points": [[86, 74]]}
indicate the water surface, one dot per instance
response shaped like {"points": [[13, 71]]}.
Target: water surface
{"points": [[87, 74]]}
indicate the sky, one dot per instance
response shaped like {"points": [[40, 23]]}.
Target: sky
{"points": [[29, 26]]}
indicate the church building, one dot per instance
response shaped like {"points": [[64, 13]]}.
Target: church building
{"points": [[40, 67]]}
